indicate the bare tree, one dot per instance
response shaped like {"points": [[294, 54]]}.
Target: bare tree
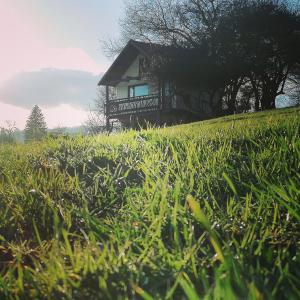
{"points": [[234, 43], [96, 122], [7, 133], [166, 22]]}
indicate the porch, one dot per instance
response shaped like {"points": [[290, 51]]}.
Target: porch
{"points": [[132, 106], [157, 109]]}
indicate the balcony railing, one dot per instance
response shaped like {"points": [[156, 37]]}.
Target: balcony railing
{"points": [[134, 105]]}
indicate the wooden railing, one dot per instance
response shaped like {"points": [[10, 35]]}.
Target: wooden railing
{"points": [[132, 105]]}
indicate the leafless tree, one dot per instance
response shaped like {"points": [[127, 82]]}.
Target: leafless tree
{"points": [[96, 122], [234, 41], [166, 22], [7, 133]]}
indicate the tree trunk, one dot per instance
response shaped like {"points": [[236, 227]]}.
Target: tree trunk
{"points": [[268, 103], [231, 106], [215, 104], [268, 99], [269, 93], [256, 92], [232, 94], [107, 103], [256, 103]]}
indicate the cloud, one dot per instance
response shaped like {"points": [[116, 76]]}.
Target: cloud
{"points": [[27, 45], [50, 88]]}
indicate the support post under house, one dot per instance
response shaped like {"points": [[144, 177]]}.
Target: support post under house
{"points": [[107, 106]]}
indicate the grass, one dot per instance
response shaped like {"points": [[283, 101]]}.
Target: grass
{"points": [[208, 210]]}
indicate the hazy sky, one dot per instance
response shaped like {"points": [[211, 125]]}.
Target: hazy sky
{"points": [[50, 55]]}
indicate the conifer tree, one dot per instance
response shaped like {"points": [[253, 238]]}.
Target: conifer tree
{"points": [[36, 127]]}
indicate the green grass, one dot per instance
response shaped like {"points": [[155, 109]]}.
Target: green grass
{"points": [[209, 210]]}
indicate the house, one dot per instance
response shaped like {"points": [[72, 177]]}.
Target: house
{"points": [[141, 98]]}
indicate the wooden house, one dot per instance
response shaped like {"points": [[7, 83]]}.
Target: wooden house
{"points": [[141, 98]]}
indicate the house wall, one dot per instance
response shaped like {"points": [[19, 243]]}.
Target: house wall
{"points": [[133, 71], [185, 98]]}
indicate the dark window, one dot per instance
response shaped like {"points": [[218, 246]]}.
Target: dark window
{"points": [[138, 90]]}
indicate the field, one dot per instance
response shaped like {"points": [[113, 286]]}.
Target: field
{"points": [[207, 210]]}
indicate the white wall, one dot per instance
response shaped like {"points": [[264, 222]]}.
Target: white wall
{"points": [[133, 71]]}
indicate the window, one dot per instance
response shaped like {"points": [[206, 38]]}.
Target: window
{"points": [[138, 90]]}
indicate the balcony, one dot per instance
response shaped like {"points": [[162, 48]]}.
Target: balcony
{"points": [[134, 105]]}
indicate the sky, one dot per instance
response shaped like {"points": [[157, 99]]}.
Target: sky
{"points": [[50, 55]]}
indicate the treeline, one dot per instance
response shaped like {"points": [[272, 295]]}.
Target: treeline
{"points": [[36, 130], [8, 133], [247, 50]]}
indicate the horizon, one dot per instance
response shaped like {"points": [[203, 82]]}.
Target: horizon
{"points": [[51, 59]]}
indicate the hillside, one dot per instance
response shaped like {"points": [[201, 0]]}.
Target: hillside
{"points": [[210, 209]]}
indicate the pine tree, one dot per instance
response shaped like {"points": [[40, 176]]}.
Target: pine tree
{"points": [[36, 127]]}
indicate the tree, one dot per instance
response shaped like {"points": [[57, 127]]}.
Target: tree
{"points": [[184, 23], [36, 127], [96, 122], [7, 134], [263, 39], [171, 22], [234, 43]]}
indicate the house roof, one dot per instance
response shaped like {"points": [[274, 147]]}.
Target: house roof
{"points": [[127, 56]]}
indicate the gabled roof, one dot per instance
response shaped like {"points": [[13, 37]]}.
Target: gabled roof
{"points": [[127, 56]]}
